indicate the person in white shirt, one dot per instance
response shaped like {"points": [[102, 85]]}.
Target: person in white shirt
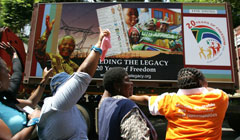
{"points": [[60, 118]]}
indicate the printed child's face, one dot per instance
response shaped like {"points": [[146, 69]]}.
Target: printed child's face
{"points": [[66, 47], [131, 16]]}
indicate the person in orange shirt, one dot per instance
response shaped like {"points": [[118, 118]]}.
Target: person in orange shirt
{"points": [[194, 112]]}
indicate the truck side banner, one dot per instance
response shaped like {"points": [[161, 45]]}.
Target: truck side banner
{"points": [[152, 41]]}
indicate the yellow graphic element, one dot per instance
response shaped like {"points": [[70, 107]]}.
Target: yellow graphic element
{"points": [[201, 53]]}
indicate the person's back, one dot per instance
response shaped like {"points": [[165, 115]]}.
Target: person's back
{"points": [[57, 124], [60, 118], [192, 113]]}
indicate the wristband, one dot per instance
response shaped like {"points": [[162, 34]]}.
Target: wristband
{"points": [[33, 121], [96, 49]]}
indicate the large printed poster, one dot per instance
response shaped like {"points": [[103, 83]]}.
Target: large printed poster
{"points": [[152, 41], [153, 50]]}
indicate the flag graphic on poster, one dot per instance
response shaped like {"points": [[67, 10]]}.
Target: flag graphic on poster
{"points": [[208, 41]]}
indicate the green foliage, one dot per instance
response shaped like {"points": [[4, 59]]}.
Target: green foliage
{"points": [[47, 1], [15, 14], [235, 6], [1, 23]]}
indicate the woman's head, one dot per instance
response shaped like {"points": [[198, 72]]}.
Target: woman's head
{"points": [[134, 35], [4, 76], [191, 78], [116, 82]]}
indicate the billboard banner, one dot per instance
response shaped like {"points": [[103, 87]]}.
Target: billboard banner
{"points": [[147, 38]]}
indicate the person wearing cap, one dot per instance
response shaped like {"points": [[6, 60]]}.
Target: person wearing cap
{"points": [[60, 118], [162, 25], [151, 25]]}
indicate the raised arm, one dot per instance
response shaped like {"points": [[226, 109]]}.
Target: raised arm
{"points": [[72, 90], [89, 65], [40, 46], [36, 94], [143, 100], [16, 77]]}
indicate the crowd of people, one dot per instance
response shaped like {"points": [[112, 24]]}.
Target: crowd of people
{"points": [[15, 121], [147, 33], [194, 112]]}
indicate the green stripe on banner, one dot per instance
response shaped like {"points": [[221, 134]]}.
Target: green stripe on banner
{"points": [[218, 76], [212, 7], [52, 15], [219, 80], [56, 29]]}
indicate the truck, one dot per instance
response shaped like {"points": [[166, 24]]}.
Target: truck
{"points": [[152, 41]]}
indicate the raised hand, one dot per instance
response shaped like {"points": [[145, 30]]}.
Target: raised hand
{"points": [[8, 47], [49, 25], [102, 34], [47, 73]]}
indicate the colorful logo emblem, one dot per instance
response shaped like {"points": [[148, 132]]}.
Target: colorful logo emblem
{"points": [[209, 40]]}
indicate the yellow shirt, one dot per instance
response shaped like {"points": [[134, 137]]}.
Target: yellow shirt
{"points": [[192, 114], [60, 65]]}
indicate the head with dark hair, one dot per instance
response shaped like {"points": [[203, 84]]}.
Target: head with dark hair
{"points": [[134, 35], [116, 82], [4, 75], [191, 78]]}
